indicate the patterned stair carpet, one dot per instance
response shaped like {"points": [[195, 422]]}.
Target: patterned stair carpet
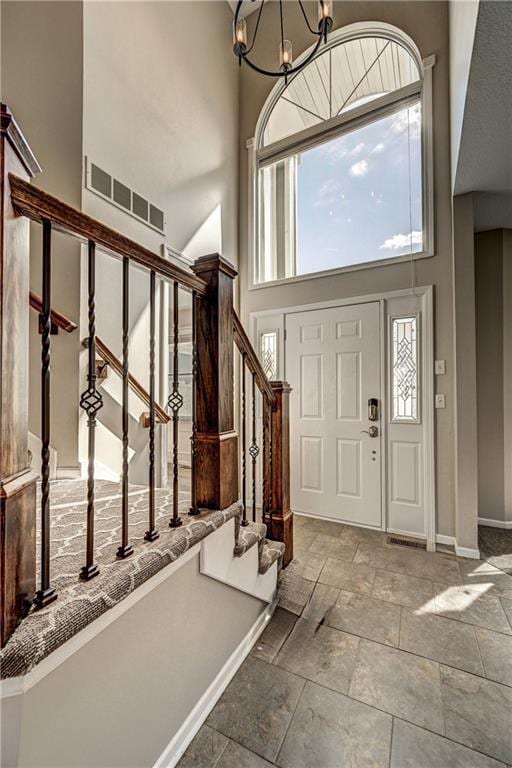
{"points": [[79, 603], [69, 527], [496, 547]]}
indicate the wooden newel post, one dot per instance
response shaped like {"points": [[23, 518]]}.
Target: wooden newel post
{"points": [[216, 442], [17, 481], [278, 515]]}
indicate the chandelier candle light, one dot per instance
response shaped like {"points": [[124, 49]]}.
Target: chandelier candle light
{"points": [[241, 49]]}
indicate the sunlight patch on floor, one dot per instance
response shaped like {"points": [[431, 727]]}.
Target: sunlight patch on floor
{"points": [[458, 598]]}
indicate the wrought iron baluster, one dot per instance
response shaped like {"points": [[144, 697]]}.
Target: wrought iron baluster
{"points": [[46, 594], [151, 534], [175, 402], [193, 444], [264, 457], [125, 549], [270, 470], [244, 444], [91, 401], [254, 449]]}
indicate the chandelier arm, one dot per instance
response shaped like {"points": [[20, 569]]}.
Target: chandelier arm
{"points": [[290, 71], [255, 28], [313, 31]]}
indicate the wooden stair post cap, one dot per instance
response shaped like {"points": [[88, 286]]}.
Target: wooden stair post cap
{"points": [[214, 261]]}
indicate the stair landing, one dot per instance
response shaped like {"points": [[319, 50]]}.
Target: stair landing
{"points": [[80, 603]]}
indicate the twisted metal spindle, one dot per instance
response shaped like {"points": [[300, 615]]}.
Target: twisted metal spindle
{"points": [[193, 439], [151, 534], [254, 449], [46, 594], [175, 402], [125, 549], [244, 444], [91, 401]]}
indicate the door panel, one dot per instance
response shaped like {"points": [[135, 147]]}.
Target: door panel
{"points": [[333, 365]]}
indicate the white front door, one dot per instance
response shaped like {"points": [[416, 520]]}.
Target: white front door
{"points": [[333, 366]]}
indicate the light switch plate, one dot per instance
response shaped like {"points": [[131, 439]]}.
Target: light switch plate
{"points": [[440, 401], [439, 367]]}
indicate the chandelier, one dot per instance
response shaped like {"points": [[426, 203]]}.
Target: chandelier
{"points": [[242, 49]]}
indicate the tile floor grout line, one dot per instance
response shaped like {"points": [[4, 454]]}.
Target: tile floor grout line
{"points": [[383, 711], [223, 748], [276, 758], [385, 645], [391, 740], [421, 578]]}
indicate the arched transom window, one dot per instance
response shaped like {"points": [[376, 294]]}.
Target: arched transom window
{"points": [[341, 159]]}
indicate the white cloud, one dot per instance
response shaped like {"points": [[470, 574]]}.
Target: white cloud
{"points": [[403, 241], [357, 149], [328, 193], [360, 168], [377, 148], [335, 150], [407, 119]]}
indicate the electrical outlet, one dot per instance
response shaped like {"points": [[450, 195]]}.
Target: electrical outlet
{"points": [[440, 401], [439, 367]]}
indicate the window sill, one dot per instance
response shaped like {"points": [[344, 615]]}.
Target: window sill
{"points": [[341, 270]]}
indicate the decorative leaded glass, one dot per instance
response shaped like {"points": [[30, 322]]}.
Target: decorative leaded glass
{"points": [[404, 369], [268, 354]]}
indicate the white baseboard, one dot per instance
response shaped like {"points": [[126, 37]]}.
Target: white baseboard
{"points": [[202, 709], [474, 554], [68, 473], [507, 524], [449, 541]]}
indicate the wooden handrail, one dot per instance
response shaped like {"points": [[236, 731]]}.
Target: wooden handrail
{"points": [[57, 318], [253, 363], [37, 205], [109, 357]]}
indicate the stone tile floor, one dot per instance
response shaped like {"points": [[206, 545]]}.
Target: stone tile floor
{"points": [[378, 656]]}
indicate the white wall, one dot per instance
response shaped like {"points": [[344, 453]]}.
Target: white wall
{"points": [[463, 16], [41, 80], [161, 115]]}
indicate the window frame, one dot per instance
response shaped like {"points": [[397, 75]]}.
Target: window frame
{"points": [[260, 156]]}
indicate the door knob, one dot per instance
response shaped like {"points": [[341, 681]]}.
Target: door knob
{"points": [[372, 431]]}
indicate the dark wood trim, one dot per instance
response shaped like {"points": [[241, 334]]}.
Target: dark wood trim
{"points": [[10, 130], [106, 354], [38, 205], [17, 481], [251, 358], [279, 517], [57, 318], [216, 442]]}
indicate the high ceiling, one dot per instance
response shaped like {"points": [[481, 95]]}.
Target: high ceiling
{"points": [[485, 157]]}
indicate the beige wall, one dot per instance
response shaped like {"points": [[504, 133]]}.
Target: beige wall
{"points": [[493, 291], [427, 24], [507, 369], [120, 699], [489, 351], [42, 84]]}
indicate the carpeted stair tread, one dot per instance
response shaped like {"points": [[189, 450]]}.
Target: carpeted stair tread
{"points": [[246, 536], [271, 552]]}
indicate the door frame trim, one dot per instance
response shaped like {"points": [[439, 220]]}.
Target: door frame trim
{"points": [[426, 293]]}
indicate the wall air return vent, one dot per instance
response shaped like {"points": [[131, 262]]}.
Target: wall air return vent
{"points": [[103, 184]]}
